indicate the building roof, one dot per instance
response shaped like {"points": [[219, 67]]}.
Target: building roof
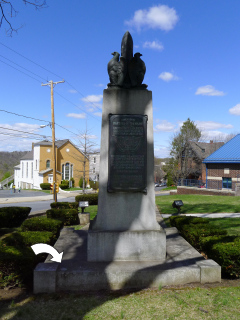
{"points": [[228, 153], [204, 149], [58, 143], [28, 156]]}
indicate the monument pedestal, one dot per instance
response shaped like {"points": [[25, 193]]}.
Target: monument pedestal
{"points": [[125, 228], [149, 245]]}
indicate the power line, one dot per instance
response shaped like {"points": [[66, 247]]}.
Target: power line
{"points": [[30, 60], [21, 115], [77, 106], [19, 70], [21, 67], [23, 131], [37, 64]]}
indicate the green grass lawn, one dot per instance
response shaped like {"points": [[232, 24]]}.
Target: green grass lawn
{"points": [[169, 304], [199, 204], [169, 188]]}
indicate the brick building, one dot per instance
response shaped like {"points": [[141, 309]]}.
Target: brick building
{"points": [[223, 166], [36, 166]]}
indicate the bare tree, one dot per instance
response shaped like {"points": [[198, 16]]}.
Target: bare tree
{"points": [[8, 11], [86, 145]]}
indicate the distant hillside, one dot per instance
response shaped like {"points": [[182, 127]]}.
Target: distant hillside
{"points": [[8, 160]]}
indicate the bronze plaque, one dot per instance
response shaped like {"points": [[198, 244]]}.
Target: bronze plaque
{"points": [[127, 153]]}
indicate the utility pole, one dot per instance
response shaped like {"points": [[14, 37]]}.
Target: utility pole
{"points": [[52, 85]]}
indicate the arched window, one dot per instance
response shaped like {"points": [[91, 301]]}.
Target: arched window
{"points": [[48, 164], [67, 171]]}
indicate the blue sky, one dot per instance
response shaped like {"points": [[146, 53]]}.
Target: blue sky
{"points": [[190, 48]]}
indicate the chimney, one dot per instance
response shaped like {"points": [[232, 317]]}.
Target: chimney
{"points": [[211, 141]]}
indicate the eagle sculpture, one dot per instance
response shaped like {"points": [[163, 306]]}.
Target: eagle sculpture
{"points": [[136, 70], [117, 70]]}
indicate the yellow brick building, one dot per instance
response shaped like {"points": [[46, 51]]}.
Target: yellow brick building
{"points": [[36, 167]]}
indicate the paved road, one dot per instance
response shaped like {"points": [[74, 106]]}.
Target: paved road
{"points": [[24, 193]]}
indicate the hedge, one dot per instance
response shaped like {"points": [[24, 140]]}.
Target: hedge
{"points": [[28, 238], [45, 186], [68, 216], [64, 205], [42, 224], [13, 217], [92, 198], [17, 265], [215, 243]]}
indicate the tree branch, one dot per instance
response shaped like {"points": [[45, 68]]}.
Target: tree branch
{"points": [[7, 6]]}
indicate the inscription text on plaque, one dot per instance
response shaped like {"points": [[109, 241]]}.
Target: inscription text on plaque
{"points": [[127, 153]]}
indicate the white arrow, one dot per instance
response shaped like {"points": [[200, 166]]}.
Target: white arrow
{"points": [[42, 248]]}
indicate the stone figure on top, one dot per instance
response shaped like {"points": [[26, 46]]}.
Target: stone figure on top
{"points": [[128, 71]]}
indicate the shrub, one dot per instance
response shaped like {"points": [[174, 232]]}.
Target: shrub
{"points": [[28, 238], [91, 198], [17, 265], [65, 182], [227, 254], [64, 205], [45, 186], [94, 185], [12, 217], [42, 224], [81, 182], [63, 186], [68, 216]]}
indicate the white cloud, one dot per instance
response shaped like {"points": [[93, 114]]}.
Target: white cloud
{"points": [[156, 45], [165, 126], [72, 91], [212, 125], [13, 139], [157, 17], [161, 152], [209, 91], [99, 85], [92, 98], [235, 110], [77, 115], [214, 135], [167, 76], [98, 114]]}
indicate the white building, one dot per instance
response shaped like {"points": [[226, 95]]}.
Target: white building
{"points": [[94, 163]]}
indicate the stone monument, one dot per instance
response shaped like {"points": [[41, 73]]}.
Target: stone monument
{"points": [[125, 228]]}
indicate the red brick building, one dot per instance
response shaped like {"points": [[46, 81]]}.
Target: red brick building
{"points": [[223, 166]]}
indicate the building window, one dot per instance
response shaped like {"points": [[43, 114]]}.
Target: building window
{"points": [[67, 171], [94, 159], [27, 171], [93, 170], [47, 164], [227, 183]]}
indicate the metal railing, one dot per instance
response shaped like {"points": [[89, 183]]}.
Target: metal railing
{"points": [[6, 181]]}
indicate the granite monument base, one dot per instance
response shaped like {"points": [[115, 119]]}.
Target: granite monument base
{"points": [[141, 245]]}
